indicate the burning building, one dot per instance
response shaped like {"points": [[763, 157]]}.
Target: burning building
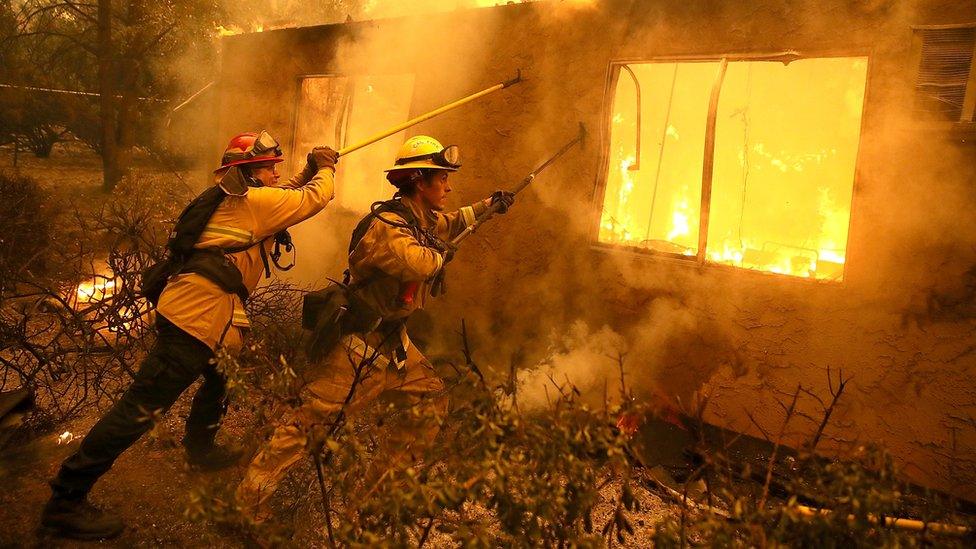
{"points": [[769, 189]]}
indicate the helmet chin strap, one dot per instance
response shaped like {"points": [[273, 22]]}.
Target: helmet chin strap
{"points": [[422, 175], [251, 180]]}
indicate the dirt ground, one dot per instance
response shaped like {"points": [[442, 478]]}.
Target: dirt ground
{"points": [[148, 487], [149, 484]]}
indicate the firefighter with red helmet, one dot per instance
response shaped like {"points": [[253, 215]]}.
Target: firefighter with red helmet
{"points": [[396, 254], [231, 231]]}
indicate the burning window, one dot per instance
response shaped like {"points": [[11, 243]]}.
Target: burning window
{"points": [[342, 110], [770, 146]]}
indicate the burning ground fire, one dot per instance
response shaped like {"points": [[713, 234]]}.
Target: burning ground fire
{"points": [[783, 172], [99, 292], [99, 289]]}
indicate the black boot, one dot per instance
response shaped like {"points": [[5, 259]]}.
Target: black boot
{"points": [[78, 519], [214, 458]]}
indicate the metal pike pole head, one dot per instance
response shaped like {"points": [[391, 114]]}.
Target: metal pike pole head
{"points": [[580, 138], [516, 80]]}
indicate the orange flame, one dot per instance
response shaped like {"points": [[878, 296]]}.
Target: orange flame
{"points": [[232, 30], [100, 288], [786, 141]]}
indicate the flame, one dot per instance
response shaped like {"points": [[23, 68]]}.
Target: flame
{"points": [[680, 217], [389, 8], [97, 296], [225, 31], [784, 163], [232, 30], [628, 423], [616, 228], [99, 289]]}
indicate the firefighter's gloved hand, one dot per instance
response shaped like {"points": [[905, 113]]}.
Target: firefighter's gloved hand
{"points": [[504, 199], [322, 157], [448, 254]]}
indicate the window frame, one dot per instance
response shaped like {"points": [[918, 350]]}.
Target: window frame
{"points": [[297, 111], [344, 117], [701, 259]]}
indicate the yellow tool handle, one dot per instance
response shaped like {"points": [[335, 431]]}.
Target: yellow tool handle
{"points": [[897, 522], [413, 121]]}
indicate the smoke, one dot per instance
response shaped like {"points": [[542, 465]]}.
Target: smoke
{"points": [[670, 354], [578, 360], [536, 291]]}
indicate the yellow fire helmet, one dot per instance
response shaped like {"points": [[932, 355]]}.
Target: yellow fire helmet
{"points": [[421, 151]]}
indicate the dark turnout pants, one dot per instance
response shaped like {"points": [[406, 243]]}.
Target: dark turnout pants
{"points": [[174, 363]]}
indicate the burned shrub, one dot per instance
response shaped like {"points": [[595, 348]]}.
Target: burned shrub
{"points": [[863, 506], [786, 498], [74, 335], [27, 220], [495, 474], [565, 475]]}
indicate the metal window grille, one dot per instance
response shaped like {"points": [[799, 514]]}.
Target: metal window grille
{"points": [[944, 72]]}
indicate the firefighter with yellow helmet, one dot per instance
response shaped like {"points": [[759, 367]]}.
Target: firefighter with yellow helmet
{"points": [[395, 255], [219, 250]]}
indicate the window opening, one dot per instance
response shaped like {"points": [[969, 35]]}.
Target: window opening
{"points": [[339, 110], [748, 163]]}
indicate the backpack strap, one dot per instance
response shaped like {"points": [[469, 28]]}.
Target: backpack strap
{"points": [[211, 263], [193, 220], [376, 210]]}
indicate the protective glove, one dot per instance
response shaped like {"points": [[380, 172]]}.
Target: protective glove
{"points": [[322, 157], [504, 199], [448, 254]]}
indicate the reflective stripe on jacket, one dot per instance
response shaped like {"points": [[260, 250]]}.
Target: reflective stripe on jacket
{"points": [[197, 305], [389, 256]]}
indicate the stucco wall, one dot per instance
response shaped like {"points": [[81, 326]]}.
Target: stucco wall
{"points": [[903, 323]]}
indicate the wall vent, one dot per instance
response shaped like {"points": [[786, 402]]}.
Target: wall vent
{"points": [[944, 87]]}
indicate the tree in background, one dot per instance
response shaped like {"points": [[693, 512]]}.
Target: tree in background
{"points": [[134, 60], [26, 119], [119, 50]]}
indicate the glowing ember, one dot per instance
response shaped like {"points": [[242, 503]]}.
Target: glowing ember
{"points": [[786, 141], [65, 437], [628, 423]]}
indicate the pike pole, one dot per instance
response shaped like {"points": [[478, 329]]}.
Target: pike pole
{"points": [[427, 116], [470, 229]]}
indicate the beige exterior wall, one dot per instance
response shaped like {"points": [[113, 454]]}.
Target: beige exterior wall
{"points": [[903, 323]]}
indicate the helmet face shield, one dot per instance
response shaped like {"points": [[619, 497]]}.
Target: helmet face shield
{"points": [[251, 148], [449, 157], [265, 144]]}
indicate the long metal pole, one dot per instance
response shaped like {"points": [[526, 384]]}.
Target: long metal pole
{"points": [[427, 116], [470, 229]]}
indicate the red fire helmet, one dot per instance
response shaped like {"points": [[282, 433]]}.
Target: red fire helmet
{"points": [[250, 148]]}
